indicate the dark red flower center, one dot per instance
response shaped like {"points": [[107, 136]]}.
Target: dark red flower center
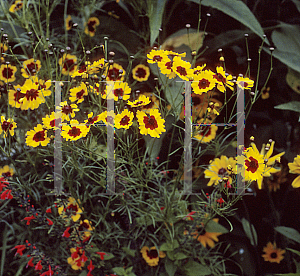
{"points": [[80, 94], [150, 122], [252, 165], [220, 78], [83, 226], [273, 255], [7, 73], [91, 26], [18, 95], [124, 121], [222, 171], [69, 64], [32, 94], [6, 126], [52, 123], [92, 120], [113, 74], [181, 70], [141, 73], [39, 136], [6, 174], [204, 83], [74, 131], [157, 58], [82, 69], [152, 254], [31, 68], [205, 131], [118, 92], [67, 109], [169, 65]]}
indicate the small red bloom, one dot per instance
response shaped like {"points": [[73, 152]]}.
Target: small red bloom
{"points": [[30, 263], [6, 195], [49, 272], [90, 267], [49, 210], [66, 233], [50, 222], [20, 249], [29, 219], [220, 201], [38, 266], [101, 254]]}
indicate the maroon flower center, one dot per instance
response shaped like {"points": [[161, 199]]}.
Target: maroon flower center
{"points": [[157, 58], [124, 121], [39, 136], [118, 92], [92, 120], [52, 123], [6, 174], [7, 73], [169, 65], [6, 126], [18, 95], [273, 255], [152, 254], [141, 73], [82, 69], [74, 131], [67, 109], [150, 122], [205, 131], [31, 68], [220, 78], [32, 94], [196, 72], [80, 94], [204, 83], [252, 165], [91, 26], [222, 171], [113, 74], [83, 226], [69, 65], [181, 70]]}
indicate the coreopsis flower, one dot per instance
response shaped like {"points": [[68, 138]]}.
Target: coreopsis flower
{"points": [[115, 72], [77, 93], [68, 23], [272, 253], [151, 123], [151, 255], [7, 72], [182, 68], [16, 6], [204, 131], [6, 171], [30, 68], [68, 64], [77, 259], [220, 169], [15, 96], [72, 210], [154, 102], [120, 90], [49, 121], [89, 69], [198, 70], [124, 119], [203, 82], [67, 110], [85, 229], [156, 56], [166, 68], [260, 164], [92, 119], [295, 168], [141, 101], [245, 83], [74, 131], [33, 94], [223, 80], [37, 136], [141, 72], [90, 28], [7, 126]]}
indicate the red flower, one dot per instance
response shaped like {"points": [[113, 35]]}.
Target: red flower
{"points": [[50, 222], [3, 183], [38, 266], [49, 210], [20, 249], [101, 255], [29, 219], [66, 233], [49, 272], [30, 263], [90, 268], [6, 195], [220, 201]]}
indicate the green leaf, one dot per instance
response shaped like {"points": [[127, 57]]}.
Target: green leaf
{"points": [[119, 270], [169, 246], [155, 14], [250, 231], [294, 251], [108, 256], [170, 267], [195, 269], [297, 4], [213, 226], [293, 106], [238, 10], [289, 232], [128, 251], [180, 256]]}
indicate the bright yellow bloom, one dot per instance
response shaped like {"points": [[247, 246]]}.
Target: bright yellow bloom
{"points": [[72, 210], [141, 101], [16, 6], [272, 253], [68, 23], [6, 171], [245, 83], [223, 80], [37, 136], [205, 133], [295, 168], [77, 93], [67, 110], [107, 117], [124, 120], [166, 68], [89, 68], [74, 130], [49, 121], [115, 72], [92, 119], [141, 72], [7, 72], [182, 68], [30, 68], [68, 64], [151, 255], [7, 126], [120, 90], [203, 82]]}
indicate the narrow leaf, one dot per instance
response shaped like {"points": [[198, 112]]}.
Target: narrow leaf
{"points": [[250, 231], [293, 106], [289, 232]]}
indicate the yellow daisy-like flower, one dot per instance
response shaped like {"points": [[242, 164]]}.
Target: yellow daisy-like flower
{"points": [[68, 64], [85, 229], [156, 56], [67, 110], [15, 97], [74, 130], [7, 73], [16, 6], [6, 171], [72, 210], [272, 253], [37, 136], [295, 168], [198, 70], [203, 82], [141, 101], [121, 90], [141, 72], [90, 28], [115, 72], [166, 68], [124, 120], [151, 123], [154, 102], [205, 133], [182, 68], [49, 121], [107, 117], [92, 119], [151, 255], [245, 83], [89, 69], [77, 93], [34, 94], [30, 68], [219, 169], [223, 80], [3, 48], [7, 126], [68, 23]]}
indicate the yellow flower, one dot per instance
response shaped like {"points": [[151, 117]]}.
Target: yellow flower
{"points": [[92, 120], [68, 63], [151, 124], [154, 102], [272, 253], [182, 68], [223, 80], [156, 56], [151, 255], [72, 210], [124, 120], [16, 6], [166, 68], [74, 131], [7, 126], [76, 261], [67, 110], [91, 25], [7, 73], [203, 82], [205, 131], [141, 101], [49, 121], [37, 136], [245, 83], [115, 72], [295, 168], [220, 168], [141, 72], [15, 97], [6, 171], [30, 68], [85, 228], [120, 90], [107, 117], [77, 93], [68, 23], [198, 70]]}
